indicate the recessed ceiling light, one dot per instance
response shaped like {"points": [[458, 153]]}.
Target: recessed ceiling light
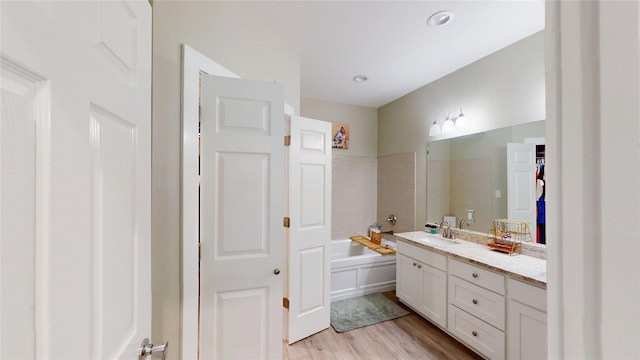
{"points": [[440, 18], [360, 78]]}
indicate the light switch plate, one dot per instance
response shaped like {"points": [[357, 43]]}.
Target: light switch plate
{"points": [[471, 215]]}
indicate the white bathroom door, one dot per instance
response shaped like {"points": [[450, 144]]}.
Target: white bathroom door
{"points": [[521, 183], [75, 165], [309, 271], [242, 195]]}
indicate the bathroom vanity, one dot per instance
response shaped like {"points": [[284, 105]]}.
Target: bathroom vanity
{"points": [[492, 302]]}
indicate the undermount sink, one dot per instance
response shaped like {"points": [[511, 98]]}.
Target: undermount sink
{"points": [[436, 241]]}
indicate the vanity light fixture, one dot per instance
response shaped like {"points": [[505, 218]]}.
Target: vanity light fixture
{"points": [[461, 121], [435, 129], [450, 123]]}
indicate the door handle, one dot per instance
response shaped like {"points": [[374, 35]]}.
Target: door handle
{"points": [[146, 349]]}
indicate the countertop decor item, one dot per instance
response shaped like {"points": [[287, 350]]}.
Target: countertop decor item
{"points": [[508, 235]]}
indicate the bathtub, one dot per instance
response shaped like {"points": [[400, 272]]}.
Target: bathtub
{"points": [[357, 270]]}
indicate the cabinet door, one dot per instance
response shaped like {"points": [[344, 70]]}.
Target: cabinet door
{"points": [[407, 282], [527, 332], [433, 299]]}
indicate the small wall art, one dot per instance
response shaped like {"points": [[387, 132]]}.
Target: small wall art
{"points": [[340, 135]]}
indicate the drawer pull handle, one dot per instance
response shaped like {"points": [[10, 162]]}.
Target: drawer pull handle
{"points": [[419, 266], [414, 264], [474, 333], [475, 301], [475, 275]]}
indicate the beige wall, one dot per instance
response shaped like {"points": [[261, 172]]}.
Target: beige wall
{"points": [[355, 170], [504, 88], [235, 36], [471, 186], [397, 191], [354, 197], [363, 124]]}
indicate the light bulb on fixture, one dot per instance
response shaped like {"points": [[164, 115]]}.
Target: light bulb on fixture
{"points": [[461, 121], [434, 130], [448, 125]]}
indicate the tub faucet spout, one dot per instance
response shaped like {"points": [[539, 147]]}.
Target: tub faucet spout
{"points": [[392, 219]]}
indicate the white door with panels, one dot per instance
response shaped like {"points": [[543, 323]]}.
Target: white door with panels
{"points": [[521, 183], [309, 272], [242, 196], [75, 164]]}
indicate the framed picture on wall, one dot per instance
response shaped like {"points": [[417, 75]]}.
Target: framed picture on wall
{"points": [[340, 135]]}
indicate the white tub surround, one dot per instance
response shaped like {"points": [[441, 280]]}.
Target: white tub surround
{"points": [[357, 270]]}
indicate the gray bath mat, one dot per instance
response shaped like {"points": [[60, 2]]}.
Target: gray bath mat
{"points": [[349, 314]]}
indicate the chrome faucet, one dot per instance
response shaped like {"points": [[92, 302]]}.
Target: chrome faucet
{"points": [[445, 229], [463, 222], [392, 219]]}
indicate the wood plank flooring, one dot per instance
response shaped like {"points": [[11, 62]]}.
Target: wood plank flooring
{"points": [[409, 337]]}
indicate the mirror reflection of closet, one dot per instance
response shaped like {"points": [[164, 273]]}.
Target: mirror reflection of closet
{"points": [[541, 201], [470, 172]]}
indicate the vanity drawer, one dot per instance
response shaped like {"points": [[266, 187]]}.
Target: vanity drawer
{"points": [[481, 336], [476, 275], [477, 301], [431, 258], [527, 294]]}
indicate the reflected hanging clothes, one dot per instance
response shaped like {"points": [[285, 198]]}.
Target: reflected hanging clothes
{"points": [[540, 204]]}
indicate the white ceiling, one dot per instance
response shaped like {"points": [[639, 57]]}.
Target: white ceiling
{"points": [[390, 43]]}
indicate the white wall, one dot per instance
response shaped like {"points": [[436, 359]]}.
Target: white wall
{"points": [[235, 36], [504, 88], [593, 142]]}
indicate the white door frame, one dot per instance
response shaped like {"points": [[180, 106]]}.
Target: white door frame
{"points": [[193, 63], [593, 287]]}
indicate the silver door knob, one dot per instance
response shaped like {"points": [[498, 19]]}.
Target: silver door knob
{"points": [[146, 349]]}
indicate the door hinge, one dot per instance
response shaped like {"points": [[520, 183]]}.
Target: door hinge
{"points": [[285, 303], [286, 222], [287, 140]]}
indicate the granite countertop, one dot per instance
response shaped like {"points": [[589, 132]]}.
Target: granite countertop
{"points": [[523, 267]]}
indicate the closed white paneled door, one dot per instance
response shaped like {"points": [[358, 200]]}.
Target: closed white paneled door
{"points": [[242, 195], [75, 179]]}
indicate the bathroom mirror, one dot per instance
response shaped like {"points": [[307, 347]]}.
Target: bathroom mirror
{"points": [[470, 172]]}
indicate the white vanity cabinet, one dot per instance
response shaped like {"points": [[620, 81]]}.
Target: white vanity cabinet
{"points": [[422, 281], [527, 321], [491, 312], [477, 308]]}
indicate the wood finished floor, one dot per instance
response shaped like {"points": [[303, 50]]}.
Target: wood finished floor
{"points": [[409, 337]]}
